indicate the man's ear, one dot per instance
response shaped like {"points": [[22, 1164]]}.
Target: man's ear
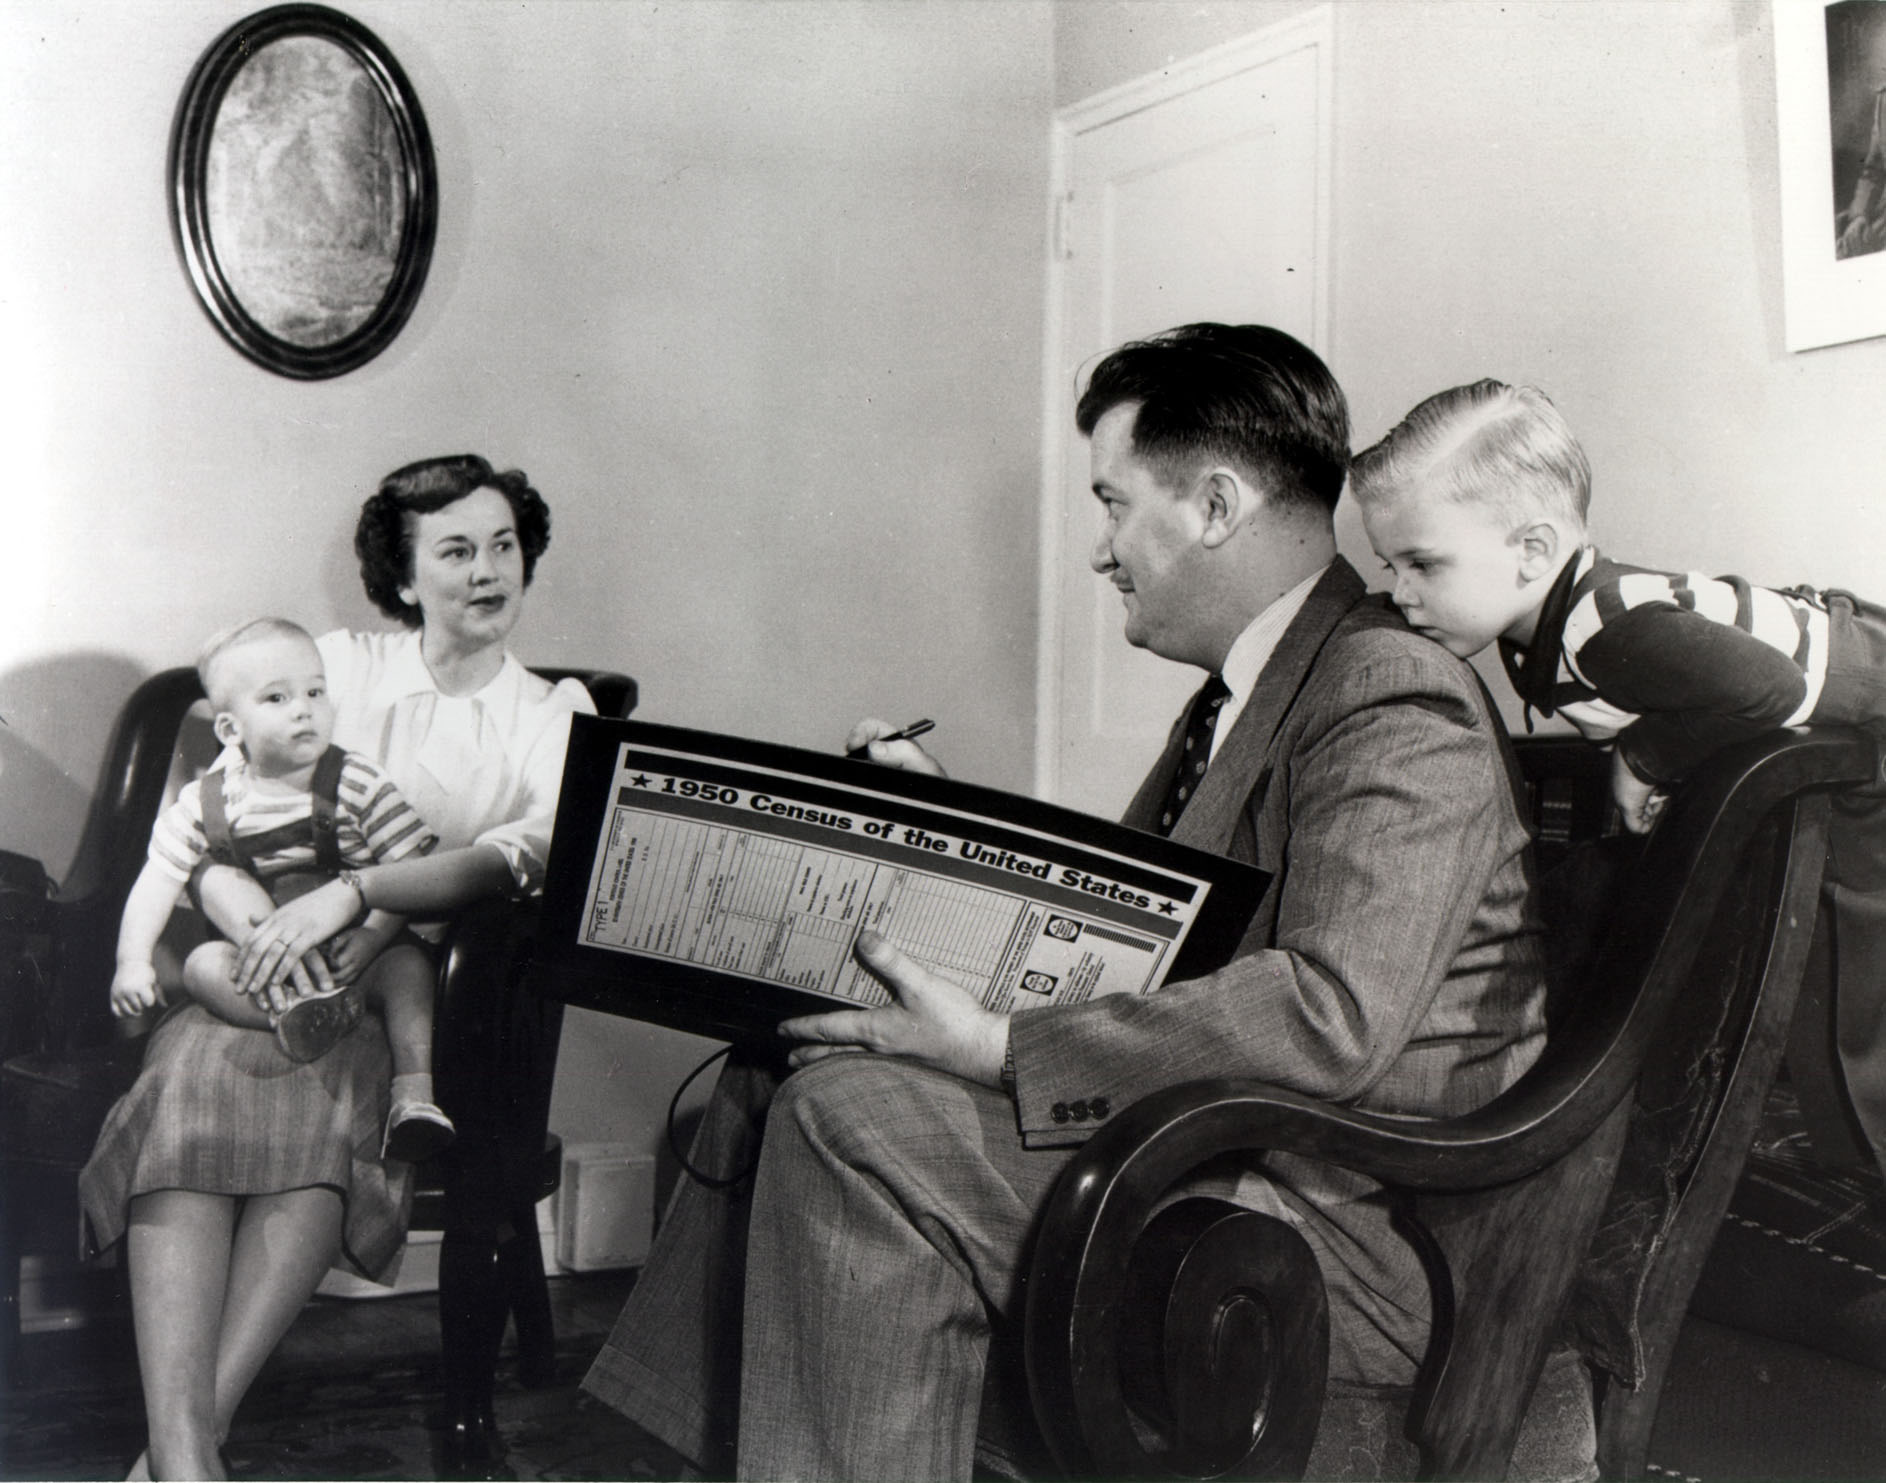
{"points": [[1226, 502], [1541, 544]]}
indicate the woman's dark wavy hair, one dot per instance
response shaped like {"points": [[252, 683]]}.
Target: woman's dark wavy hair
{"points": [[383, 540], [1244, 393]]}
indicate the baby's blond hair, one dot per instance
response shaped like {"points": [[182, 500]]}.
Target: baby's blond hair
{"points": [[209, 670], [1506, 448]]}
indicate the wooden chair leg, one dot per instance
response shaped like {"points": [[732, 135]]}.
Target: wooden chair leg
{"points": [[527, 1291], [472, 1307]]}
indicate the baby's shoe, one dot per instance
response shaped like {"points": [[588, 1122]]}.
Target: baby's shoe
{"points": [[309, 1028], [416, 1131]]}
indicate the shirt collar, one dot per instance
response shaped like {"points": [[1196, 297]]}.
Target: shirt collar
{"points": [[1251, 651], [1534, 670], [406, 674]]}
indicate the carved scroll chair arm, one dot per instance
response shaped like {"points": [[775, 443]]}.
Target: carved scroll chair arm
{"points": [[1503, 1199]]}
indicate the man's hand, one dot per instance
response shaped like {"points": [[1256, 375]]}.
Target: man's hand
{"points": [[283, 940], [1638, 801], [905, 754], [931, 1020]]}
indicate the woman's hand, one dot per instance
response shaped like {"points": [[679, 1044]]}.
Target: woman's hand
{"points": [[864, 737], [287, 936], [1638, 801], [930, 1020]]}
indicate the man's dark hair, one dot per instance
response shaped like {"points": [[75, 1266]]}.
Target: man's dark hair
{"points": [[1246, 394], [383, 538]]}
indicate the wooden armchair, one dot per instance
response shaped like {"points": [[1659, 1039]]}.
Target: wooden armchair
{"points": [[1578, 1207], [496, 1055]]}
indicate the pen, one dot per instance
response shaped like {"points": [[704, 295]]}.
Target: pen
{"points": [[909, 733]]}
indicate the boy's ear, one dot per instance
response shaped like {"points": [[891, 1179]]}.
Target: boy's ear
{"points": [[1540, 545], [228, 730], [1226, 502]]}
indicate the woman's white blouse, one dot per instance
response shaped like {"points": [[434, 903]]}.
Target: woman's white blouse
{"points": [[480, 769]]}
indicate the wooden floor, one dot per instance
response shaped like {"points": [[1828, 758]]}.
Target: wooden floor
{"points": [[352, 1393]]}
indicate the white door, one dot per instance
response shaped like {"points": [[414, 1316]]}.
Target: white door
{"points": [[1199, 193]]}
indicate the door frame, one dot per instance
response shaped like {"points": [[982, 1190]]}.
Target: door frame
{"points": [[1313, 30]]}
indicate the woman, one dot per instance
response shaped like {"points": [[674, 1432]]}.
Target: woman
{"points": [[238, 1176]]}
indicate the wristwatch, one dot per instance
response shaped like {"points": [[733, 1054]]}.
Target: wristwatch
{"points": [[352, 879]]}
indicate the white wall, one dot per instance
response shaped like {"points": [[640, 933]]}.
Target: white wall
{"points": [[1582, 195], [753, 293]]}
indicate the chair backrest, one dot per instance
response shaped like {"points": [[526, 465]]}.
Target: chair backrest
{"points": [[133, 785], [1703, 952]]}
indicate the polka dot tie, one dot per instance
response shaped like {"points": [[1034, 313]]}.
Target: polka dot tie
{"points": [[1195, 755]]}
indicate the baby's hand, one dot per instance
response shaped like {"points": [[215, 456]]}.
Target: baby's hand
{"points": [[349, 953], [1638, 801], [133, 989]]}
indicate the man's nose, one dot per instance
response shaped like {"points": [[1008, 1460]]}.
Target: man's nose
{"points": [[1100, 558]]}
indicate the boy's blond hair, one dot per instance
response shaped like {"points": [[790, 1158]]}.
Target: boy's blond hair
{"points": [[1506, 448], [235, 637]]}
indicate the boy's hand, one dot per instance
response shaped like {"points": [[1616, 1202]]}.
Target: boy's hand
{"points": [[349, 954], [133, 989], [1638, 801]]}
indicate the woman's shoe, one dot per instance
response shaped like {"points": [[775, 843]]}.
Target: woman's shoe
{"points": [[311, 1027]]}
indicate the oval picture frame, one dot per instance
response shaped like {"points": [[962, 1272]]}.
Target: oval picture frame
{"points": [[303, 191]]}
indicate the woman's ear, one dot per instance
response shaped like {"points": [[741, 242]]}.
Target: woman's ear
{"points": [[409, 596]]}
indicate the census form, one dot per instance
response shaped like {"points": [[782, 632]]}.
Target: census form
{"points": [[721, 884]]}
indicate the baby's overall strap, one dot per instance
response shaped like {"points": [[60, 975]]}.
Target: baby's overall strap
{"points": [[223, 845], [324, 800]]}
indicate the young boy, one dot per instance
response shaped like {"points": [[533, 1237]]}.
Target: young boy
{"points": [[292, 811], [1476, 505]]}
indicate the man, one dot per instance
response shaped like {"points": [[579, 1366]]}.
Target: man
{"points": [[1393, 964]]}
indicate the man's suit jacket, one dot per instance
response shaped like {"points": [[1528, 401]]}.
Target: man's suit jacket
{"points": [[1394, 962]]}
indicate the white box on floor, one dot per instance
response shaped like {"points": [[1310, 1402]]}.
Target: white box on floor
{"points": [[605, 1207]]}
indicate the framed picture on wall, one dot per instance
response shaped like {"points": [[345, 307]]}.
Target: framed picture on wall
{"points": [[1830, 105], [303, 190]]}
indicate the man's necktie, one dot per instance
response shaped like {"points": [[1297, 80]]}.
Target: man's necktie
{"points": [[1196, 753]]}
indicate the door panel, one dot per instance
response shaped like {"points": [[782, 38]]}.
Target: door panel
{"points": [[1198, 195]]}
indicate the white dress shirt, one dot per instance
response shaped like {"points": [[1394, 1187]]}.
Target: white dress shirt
{"points": [[1250, 652], [480, 769]]}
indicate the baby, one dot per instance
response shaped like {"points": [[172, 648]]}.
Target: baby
{"points": [[1476, 505], [293, 811]]}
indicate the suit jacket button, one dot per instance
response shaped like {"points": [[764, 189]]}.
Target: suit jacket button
{"points": [[1100, 1107], [1078, 1111], [1058, 1112]]}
